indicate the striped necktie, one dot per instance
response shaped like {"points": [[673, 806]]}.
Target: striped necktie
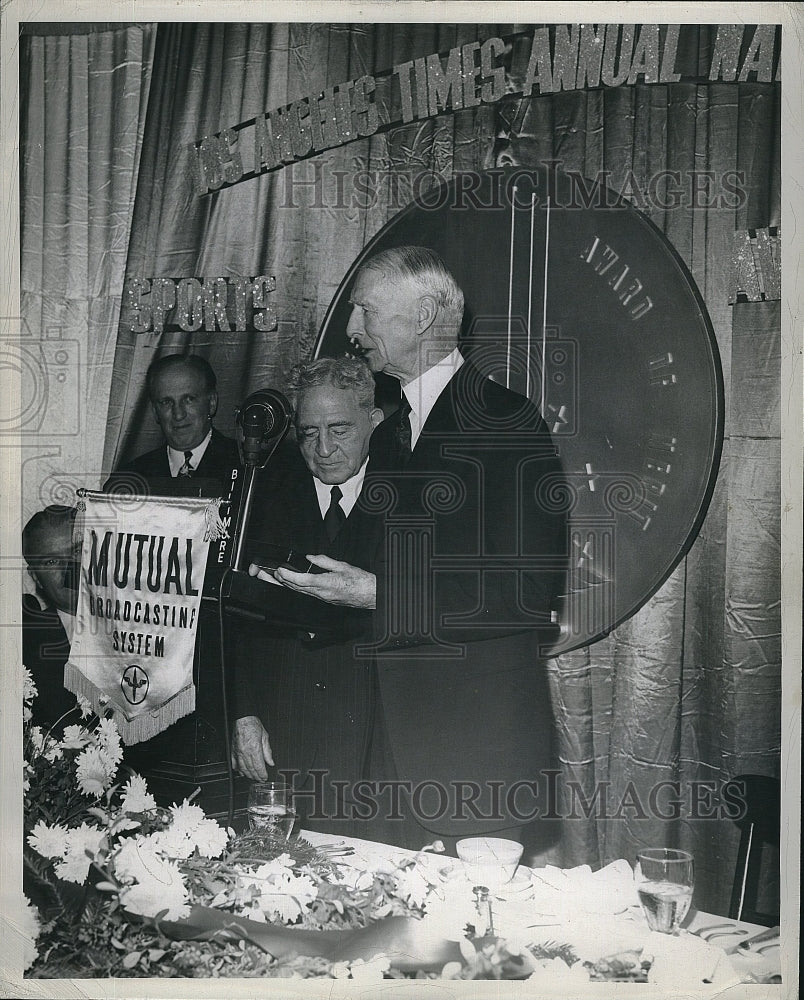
{"points": [[186, 469]]}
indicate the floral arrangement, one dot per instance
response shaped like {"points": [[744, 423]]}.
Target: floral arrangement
{"points": [[119, 886]]}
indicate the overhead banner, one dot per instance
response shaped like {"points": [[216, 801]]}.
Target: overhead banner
{"points": [[545, 60], [142, 572]]}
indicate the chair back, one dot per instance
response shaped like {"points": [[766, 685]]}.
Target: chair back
{"points": [[759, 825]]}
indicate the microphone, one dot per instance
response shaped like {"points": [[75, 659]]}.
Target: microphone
{"points": [[262, 422]]}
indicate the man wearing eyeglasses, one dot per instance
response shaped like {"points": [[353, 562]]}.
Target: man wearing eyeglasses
{"points": [[53, 559]]}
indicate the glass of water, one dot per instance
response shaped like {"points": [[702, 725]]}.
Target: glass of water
{"points": [[270, 809], [664, 880]]}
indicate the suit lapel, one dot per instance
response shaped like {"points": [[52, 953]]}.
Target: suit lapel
{"points": [[309, 525], [208, 458], [162, 463]]}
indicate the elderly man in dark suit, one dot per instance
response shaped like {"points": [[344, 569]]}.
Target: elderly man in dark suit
{"points": [[466, 583], [184, 400], [304, 701]]}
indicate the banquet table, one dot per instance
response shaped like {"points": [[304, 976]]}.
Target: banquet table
{"points": [[599, 915]]}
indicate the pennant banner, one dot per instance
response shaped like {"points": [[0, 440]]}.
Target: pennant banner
{"points": [[142, 571]]}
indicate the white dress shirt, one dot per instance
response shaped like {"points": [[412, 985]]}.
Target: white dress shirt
{"points": [[350, 490], [423, 391], [176, 458]]}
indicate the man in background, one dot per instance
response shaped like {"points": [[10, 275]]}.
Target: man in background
{"points": [[53, 558], [182, 389], [195, 460], [301, 701]]}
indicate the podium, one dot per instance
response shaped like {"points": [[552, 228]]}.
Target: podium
{"points": [[191, 754]]}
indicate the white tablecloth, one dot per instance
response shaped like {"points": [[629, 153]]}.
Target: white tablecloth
{"points": [[596, 913]]}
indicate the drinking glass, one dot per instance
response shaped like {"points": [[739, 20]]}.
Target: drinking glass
{"points": [[270, 809], [664, 880]]}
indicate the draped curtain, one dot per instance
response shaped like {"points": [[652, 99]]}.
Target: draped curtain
{"points": [[689, 688], [82, 117]]}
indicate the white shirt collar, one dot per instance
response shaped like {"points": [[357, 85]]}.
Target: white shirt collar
{"points": [[176, 458], [350, 490], [422, 392]]}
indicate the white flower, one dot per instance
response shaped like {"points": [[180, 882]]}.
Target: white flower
{"points": [[91, 772], [29, 926], [371, 971], [210, 838], [83, 844], [49, 841], [412, 886], [136, 797], [289, 900], [157, 884], [550, 970], [137, 859], [29, 691], [75, 738], [167, 892], [281, 893], [190, 829], [253, 912], [108, 740], [278, 867], [27, 714], [287, 906], [84, 706], [187, 817], [173, 843], [339, 970], [124, 823], [44, 745]]}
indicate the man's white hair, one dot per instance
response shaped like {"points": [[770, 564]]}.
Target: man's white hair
{"points": [[424, 269]]}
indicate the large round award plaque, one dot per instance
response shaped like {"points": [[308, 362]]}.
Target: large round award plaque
{"points": [[575, 299]]}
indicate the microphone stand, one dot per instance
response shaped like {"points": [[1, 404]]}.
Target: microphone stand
{"points": [[244, 516], [264, 420]]}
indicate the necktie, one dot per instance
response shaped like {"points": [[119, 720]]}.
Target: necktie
{"points": [[335, 516], [186, 469], [403, 432]]}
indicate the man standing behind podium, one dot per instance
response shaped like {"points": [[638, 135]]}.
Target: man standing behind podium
{"points": [[309, 700], [184, 400], [466, 586]]}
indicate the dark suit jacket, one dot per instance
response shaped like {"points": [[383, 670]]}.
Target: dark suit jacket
{"points": [[45, 649], [217, 462], [314, 697], [473, 560]]}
